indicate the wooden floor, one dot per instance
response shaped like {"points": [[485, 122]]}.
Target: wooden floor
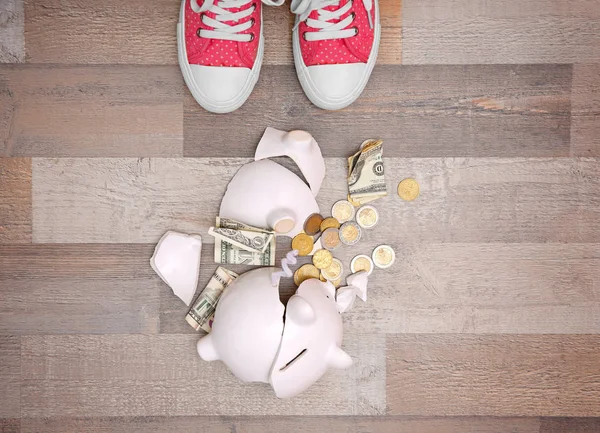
{"points": [[490, 319]]}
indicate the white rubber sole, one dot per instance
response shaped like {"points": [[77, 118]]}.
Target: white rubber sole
{"points": [[205, 102], [312, 91]]}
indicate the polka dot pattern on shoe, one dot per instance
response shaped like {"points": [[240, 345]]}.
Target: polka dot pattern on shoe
{"points": [[217, 52], [355, 49]]}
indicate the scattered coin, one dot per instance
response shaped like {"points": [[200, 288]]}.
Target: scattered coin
{"points": [[343, 211], [322, 278], [328, 223], [367, 217], [337, 283], [304, 273], [383, 256], [334, 271], [312, 225], [331, 239], [408, 189], [350, 233], [303, 243], [362, 263], [322, 259]]}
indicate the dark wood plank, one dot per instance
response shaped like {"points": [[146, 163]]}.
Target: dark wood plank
{"points": [[10, 425], [513, 31], [50, 289], [15, 200], [12, 46], [421, 111], [585, 103], [113, 33], [162, 375], [10, 377], [91, 111], [503, 375], [276, 424], [570, 425], [477, 200]]}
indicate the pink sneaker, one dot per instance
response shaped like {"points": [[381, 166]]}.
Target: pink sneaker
{"points": [[335, 48], [220, 48]]}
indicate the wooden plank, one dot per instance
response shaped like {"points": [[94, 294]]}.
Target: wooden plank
{"points": [[15, 200], [514, 31], [10, 425], [12, 42], [125, 200], [10, 377], [571, 425], [475, 110], [276, 424], [585, 103], [53, 32], [49, 289], [91, 111], [160, 375], [503, 375]]}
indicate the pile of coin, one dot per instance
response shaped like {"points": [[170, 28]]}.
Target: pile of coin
{"points": [[322, 236]]}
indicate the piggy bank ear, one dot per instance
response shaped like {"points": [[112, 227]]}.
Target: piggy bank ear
{"points": [[339, 359], [300, 311]]}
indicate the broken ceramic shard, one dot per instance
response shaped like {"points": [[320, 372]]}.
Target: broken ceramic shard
{"points": [[298, 145], [250, 337], [176, 260], [345, 297], [360, 281]]}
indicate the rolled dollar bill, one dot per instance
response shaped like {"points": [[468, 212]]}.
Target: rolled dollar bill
{"points": [[255, 242], [203, 309], [366, 179], [227, 253], [227, 223]]}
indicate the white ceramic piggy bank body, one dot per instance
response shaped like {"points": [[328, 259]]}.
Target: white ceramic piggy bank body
{"points": [[250, 337]]}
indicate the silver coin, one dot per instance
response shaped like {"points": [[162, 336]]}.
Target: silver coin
{"points": [[350, 233]]}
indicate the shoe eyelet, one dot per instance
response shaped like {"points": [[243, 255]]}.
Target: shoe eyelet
{"points": [[355, 31], [353, 15], [304, 36], [251, 37], [198, 32], [252, 22]]}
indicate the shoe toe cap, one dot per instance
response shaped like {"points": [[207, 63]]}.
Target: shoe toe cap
{"points": [[337, 83], [220, 87]]}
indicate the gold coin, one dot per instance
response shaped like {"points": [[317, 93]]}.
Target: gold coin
{"points": [[322, 259], [313, 224], [383, 256], [329, 223], [350, 233], [367, 216], [305, 272], [330, 239], [361, 263], [303, 243], [322, 278], [334, 271], [337, 283], [343, 211], [408, 189]]}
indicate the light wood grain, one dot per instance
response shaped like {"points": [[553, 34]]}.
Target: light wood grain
{"points": [[91, 111], [10, 376], [78, 289], [515, 31], [505, 375], [462, 200], [570, 425], [110, 32], [15, 200], [420, 111], [12, 43], [272, 424], [585, 103], [140, 375]]}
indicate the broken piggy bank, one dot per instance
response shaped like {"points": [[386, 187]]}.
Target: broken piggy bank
{"points": [[250, 337], [266, 194]]}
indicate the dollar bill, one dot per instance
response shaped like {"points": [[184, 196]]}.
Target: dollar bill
{"points": [[255, 242], [227, 253], [366, 178], [203, 309]]}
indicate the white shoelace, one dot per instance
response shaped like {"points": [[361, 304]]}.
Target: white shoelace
{"points": [[224, 31], [326, 29]]}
